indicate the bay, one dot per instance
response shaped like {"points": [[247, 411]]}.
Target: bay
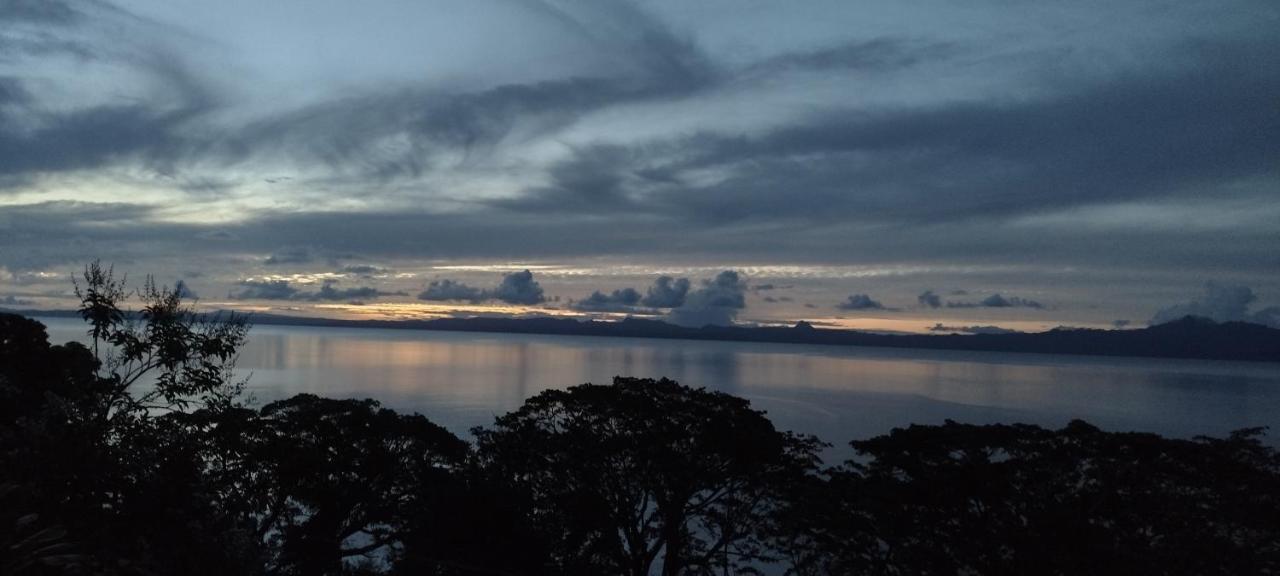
{"points": [[461, 379]]}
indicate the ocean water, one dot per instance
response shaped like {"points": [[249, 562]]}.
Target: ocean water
{"points": [[461, 380]]}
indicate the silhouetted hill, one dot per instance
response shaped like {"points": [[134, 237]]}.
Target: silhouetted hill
{"points": [[1189, 337]]}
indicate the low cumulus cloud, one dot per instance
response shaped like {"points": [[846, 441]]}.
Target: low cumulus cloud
{"points": [[860, 302], [928, 299], [282, 290], [939, 327], [515, 288], [997, 301], [330, 291], [451, 290], [519, 288], [621, 300], [667, 292], [1222, 303], [264, 290], [716, 302], [12, 300]]}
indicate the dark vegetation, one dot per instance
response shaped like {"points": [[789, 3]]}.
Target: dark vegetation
{"points": [[135, 455]]}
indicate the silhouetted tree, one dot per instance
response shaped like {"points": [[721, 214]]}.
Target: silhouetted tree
{"points": [[624, 474], [335, 479], [86, 434], [1019, 499]]}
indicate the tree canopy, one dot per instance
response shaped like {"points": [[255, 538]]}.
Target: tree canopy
{"points": [[624, 474]]}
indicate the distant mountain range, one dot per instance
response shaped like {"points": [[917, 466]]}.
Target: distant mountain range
{"points": [[1189, 337]]}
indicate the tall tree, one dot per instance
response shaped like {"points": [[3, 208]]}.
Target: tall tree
{"points": [[626, 474]]}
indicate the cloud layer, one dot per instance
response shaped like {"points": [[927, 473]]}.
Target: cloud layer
{"points": [[870, 135], [1221, 303], [515, 288]]}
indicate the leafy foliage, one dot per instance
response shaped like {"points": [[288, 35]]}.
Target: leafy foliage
{"points": [[1020, 499], [624, 474]]}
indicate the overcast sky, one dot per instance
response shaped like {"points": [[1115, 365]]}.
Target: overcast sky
{"points": [[893, 165]]}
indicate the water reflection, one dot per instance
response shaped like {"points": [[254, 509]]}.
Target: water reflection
{"points": [[462, 380]]}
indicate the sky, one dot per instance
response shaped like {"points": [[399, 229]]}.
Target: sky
{"points": [[897, 166]]}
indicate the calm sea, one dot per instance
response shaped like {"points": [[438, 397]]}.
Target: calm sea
{"points": [[460, 380]]}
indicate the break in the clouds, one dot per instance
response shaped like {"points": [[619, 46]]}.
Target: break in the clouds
{"points": [[1222, 303], [1033, 148], [515, 288]]}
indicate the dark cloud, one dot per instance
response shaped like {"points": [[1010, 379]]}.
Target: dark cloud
{"points": [[1120, 324], [446, 290], [519, 288], [11, 300], [667, 292], [928, 299], [363, 269], [621, 300], [860, 302], [879, 54], [997, 301], [515, 288], [215, 235], [282, 290], [1221, 303], [265, 290], [38, 11], [971, 329], [291, 255], [1094, 140], [147, 131], [328, 291], [716, 302], [590, 181]]}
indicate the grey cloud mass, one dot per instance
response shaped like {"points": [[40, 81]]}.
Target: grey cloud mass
{"points": [[1222, 303], [985, 329], [716, 302], [997, 301], [929, 300], [519, 288], [265, 290], [860, 302], [667, 292], [515, 288], [446, 290], [283, 290], [621, 300], [570, 132], [11, 300]]}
